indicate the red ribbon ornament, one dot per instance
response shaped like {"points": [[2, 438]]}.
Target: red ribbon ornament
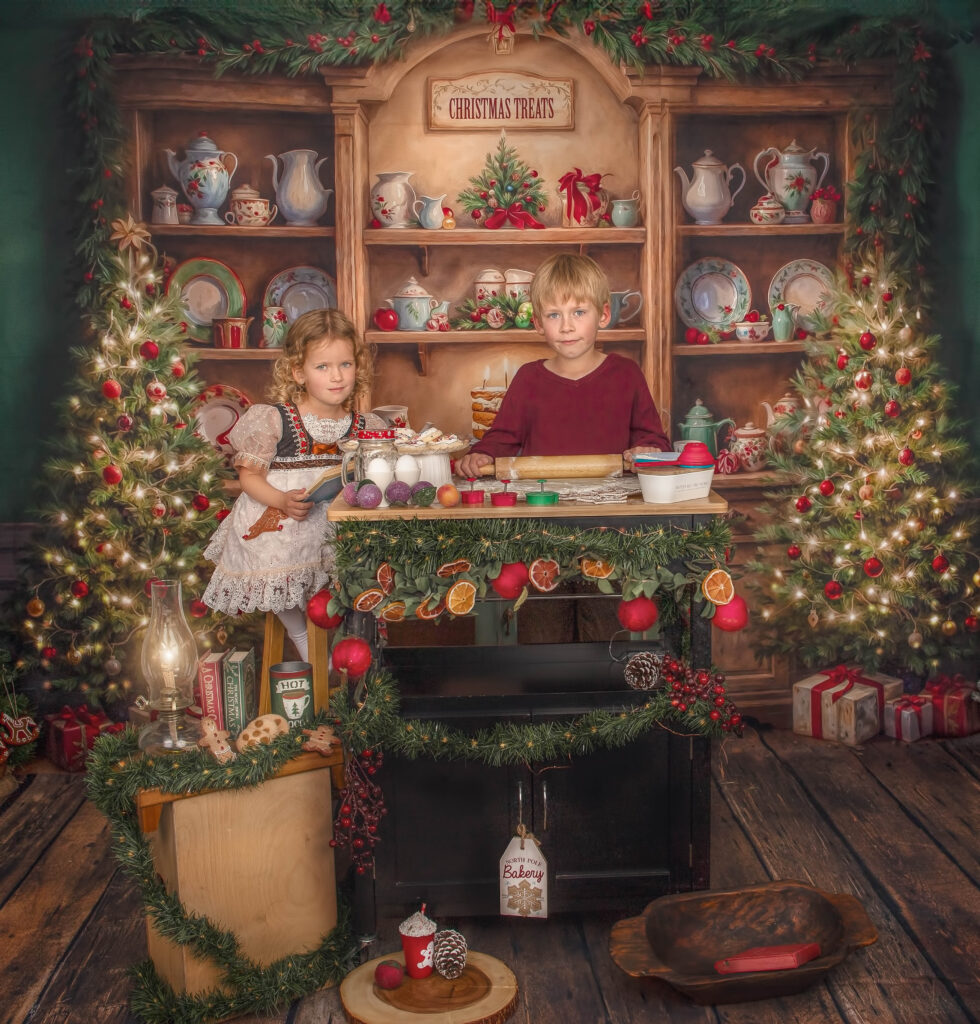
{"points": [[516, 214], [579, 202], [504, 20]]}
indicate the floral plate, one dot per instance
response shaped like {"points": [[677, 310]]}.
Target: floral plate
{"points": [[217, 409], [300, 289], [806, 283], [712, 293], [208, 288]]}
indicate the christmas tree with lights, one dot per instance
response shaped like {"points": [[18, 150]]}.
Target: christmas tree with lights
{"points": [[132, 493], [875, 556]]}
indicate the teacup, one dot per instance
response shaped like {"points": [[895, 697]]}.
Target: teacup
{"points": [[393, 415], [231, 331], [489, 283], [251, 212], [747, 330], [620, 306], [274, 324]]}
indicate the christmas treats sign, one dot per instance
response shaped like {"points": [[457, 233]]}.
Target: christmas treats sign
{"points": [[523, 877], [500, 99]]}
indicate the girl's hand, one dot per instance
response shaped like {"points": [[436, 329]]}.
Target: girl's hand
{"points": [[296, 507], [471, 464]]}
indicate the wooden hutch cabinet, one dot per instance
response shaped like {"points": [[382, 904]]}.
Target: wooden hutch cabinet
{"points": [[635, 129]]}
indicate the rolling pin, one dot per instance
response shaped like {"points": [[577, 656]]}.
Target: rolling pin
{"points": [[554, 467]]}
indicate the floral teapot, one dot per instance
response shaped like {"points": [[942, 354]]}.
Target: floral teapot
{"points": [[414, 306], [749, 444], [790, 176], [204, 176], [707, 196], [786, 406]]}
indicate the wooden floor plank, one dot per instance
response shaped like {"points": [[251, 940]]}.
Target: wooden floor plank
{"points": [[936, 904], [42, 917], [32, 819], [795, 841]]}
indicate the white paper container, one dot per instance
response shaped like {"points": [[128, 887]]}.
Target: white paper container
{"points": [[665, 486]]}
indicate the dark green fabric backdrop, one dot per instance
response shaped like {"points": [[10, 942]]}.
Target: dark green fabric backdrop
{"points": [[40, 321]]}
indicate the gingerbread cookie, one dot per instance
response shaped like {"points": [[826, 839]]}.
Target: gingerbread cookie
{"points": [[216, 740], [321, 739]]}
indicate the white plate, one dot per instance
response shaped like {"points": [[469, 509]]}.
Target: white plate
{"points": [[217, 409], [712, 292], [805, 283], [300, 289]]}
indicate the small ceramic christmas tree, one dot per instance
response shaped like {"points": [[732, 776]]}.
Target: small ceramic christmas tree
{"points": [[506, 192], [877, 549]]}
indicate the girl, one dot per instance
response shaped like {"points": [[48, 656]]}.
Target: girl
{"points": [[279, 451]]}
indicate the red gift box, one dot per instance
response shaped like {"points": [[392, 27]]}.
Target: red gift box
{"points": [[955, 712], [72, 733]]}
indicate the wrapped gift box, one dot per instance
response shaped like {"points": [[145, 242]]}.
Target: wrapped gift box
{"points": [[72, 732], [955, 712], [909, 718], [843, 703]]}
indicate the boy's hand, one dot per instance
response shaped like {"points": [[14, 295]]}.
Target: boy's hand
{"points": [[638, 450], [471, 464], [296, 506]]}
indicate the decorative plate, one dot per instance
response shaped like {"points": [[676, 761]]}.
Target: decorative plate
{"points": [[807, 283], [712, 292], [209, 288], [300, 289], [217, 409]]}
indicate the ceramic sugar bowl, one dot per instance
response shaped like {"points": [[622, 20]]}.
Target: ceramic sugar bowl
{"points": [[767, 210], [749, 444]]}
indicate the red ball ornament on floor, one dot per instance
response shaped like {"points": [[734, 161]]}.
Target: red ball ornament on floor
{"points": [[112, 475], [873, 567], [201, 502], [198, 608], [867, 341], [733, 616], [316, 610], [863, 380], [906, 456], [940, 564], [803, 503], [512, 580], [149, 350], [827, 488], [833, 590], [638, 614], [903, 375], [353, 655], [79, 588], [111, 388], [893, 409], [842, 360], [794, 552]]}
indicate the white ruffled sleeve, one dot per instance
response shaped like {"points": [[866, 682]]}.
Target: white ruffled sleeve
{"points": [[256, 436]]}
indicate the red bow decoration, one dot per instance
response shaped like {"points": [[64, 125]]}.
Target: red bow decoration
{"points": [[580, 202], [503, 19], [319, 448], [943, 684], [835, 677], [516, 214]]}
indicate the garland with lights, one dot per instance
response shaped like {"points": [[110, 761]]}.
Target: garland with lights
{"points": [[880, 560], [116, 773]]}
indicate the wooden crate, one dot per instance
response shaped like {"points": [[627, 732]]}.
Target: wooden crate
{"points": [[257, 862]]}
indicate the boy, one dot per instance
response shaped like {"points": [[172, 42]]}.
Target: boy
{"points": [[579, 401]]}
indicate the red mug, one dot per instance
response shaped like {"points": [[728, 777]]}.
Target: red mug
{"points": [[418, 950]]}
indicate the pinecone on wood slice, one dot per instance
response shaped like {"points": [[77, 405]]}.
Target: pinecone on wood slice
{"points": [[449, 957], [643, 670]]}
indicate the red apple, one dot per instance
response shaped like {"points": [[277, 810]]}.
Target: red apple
{"points": [[752, 317], [389, 974], [316, 610], [448, 495], [638, 614], [512, 580], [733, 616], [352, 654], [691, 335], [386, 319]]}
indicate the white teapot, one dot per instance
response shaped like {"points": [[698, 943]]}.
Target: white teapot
{"points": [[785, 406], [707, 196]]}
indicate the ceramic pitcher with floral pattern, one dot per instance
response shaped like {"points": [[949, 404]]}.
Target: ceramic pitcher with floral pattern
{"points": [[790, 175]]}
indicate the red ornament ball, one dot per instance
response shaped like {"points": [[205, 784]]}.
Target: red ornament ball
{"points": [[873, 567], [352, 654], [638, 614], [893, 409], [79, 588], [842, 360], [124, 423], [794, 552], [49, 652], [222, 513], [833, 590], [906, 456], [201, 502], [827, 488], [887, 296], [316, 610], [867, 341], [111, 388], [198, 609], [940, 564], [691, 335], [112, 475], [903, 375], [159, 509], [972, 623], [511, 581], [733, 616], [155, 391], [803, 503], [177, 368], [863, 380], [149, 350]]}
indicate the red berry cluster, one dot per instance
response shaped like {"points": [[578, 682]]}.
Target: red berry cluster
{"points": [[690, 686], [360, 809]]}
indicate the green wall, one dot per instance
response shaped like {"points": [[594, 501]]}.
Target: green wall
{"points": [[40, 321]]}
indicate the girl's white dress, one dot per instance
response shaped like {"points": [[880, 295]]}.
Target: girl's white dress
{"points": [[281, 568]]}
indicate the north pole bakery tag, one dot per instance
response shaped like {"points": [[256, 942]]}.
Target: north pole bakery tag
{"points": [[523, 877]]}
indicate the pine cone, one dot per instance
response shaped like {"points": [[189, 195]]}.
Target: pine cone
{"points": [[449, 957], [642, 671]]}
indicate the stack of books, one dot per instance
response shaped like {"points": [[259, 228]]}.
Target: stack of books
{"points": [[226, 689]]}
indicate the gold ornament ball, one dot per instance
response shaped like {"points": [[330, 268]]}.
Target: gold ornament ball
{"points": [[73, 656], [915, 640], [905, 335], [35, 607], [948, 628], [976, 578], [866, 492], [880, 651], [448, 223], [799, 446]]}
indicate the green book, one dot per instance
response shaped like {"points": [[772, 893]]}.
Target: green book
{"points": [[240, 691]]}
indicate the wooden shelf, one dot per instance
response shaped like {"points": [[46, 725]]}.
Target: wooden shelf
{"points": [[741, 481], [509, 335], [739, 348], [732, 230], [234, 354], [230, 231], [505, 236]]}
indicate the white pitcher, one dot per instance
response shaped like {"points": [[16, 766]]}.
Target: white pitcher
{"points": [[301, 198], [428, 209], [706, 196]]}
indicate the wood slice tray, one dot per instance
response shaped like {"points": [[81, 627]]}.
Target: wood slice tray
{"points": [[485, 993]]}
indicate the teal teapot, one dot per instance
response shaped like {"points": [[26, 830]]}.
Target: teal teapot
{"points": [[204, 176], [698, 426]]}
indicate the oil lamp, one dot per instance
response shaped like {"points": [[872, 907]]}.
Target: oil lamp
{"points": [[169, 665]]}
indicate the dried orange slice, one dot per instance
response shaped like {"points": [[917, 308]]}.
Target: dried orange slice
{"points": [[448, 569], [596, 568], [385, 577], [368, 600], [393, 611], [461, 597], [428, 610], [717, 587], [544, 574]]}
